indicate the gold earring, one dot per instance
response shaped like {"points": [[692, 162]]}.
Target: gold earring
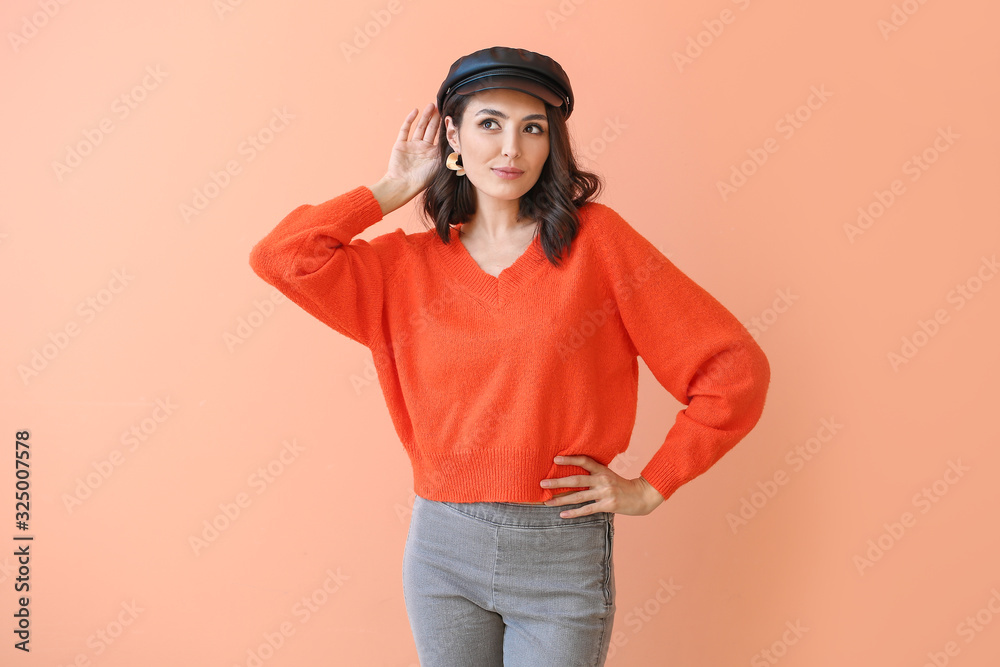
{"points": [[452, 163]]}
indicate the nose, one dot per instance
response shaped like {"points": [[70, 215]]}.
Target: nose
{"points": [[511, 145]]}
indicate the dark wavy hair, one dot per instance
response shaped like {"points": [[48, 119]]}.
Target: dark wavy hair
{"points": [[561, 189]]}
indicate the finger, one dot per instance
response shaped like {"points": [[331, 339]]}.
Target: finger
{"points": [[433, 125], [581, 461], [430, 124], [582, 481], [404, 130], [422, 123], [565, 499], [579, 511], [417, 130]]}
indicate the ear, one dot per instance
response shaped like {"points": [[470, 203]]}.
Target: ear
{"points": [[452, 134]]}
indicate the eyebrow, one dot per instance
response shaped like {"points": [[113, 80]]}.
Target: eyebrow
{"points": [[494, 112]]}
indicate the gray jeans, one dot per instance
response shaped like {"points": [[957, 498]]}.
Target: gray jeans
{"points": [[493, 584]]}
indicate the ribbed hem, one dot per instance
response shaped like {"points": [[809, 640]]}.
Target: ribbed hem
{"points": [[488, 475]]}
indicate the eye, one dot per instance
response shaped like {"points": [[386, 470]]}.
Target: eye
{"points": [[482, 124]]}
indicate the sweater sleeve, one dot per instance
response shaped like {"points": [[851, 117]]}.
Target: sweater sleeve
{"points": [[310, 257], [694, 347]]}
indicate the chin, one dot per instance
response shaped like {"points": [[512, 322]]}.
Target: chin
{"points": [[501, 192], [510, 190]]}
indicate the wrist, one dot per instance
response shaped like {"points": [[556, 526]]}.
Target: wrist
{"points": [[392, 193], [653, 496]]}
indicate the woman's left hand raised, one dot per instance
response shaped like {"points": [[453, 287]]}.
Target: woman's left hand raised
{"points": [[611, 491]]}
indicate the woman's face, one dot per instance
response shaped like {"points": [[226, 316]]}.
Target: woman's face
{"points": [[501, 128]]}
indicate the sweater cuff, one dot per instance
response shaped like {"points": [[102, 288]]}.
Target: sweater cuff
{"points": [[365, 210], [662, 475]]}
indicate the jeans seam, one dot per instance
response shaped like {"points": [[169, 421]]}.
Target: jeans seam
{"points": [[496, 561], [609, 543]]}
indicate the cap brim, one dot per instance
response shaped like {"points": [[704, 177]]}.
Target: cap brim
{"points": [[511, 82]]}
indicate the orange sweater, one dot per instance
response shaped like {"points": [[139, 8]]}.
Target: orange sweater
{"points": [[487, 378]]}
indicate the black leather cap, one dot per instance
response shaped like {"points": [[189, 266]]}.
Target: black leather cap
{"points": [[505, 67]]}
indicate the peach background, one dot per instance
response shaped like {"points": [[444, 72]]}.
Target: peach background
{"points": [[664, 137]]}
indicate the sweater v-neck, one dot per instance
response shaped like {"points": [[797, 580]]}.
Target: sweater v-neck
{"points": [[498, 290]]}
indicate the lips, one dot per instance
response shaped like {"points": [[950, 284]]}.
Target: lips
{"points": [[508, 170]]}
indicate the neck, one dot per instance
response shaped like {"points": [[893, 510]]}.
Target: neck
{"points": [[496, 220]]}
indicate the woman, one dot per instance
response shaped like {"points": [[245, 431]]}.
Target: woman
{"points": [[506, 343]]}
